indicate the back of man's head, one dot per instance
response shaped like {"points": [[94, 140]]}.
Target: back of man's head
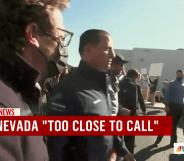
{"points": [[133, 73], [91, 37], [18, 20]]}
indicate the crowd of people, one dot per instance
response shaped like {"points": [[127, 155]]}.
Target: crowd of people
{"points": [[33, 63]]}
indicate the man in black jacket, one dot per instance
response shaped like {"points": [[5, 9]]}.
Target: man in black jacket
{"points": [[128, 98], [115, 72], [85, 93], [25, 50], [140, 96]]}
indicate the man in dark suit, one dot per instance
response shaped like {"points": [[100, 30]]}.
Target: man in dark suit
{"points": [[85, 93], [128, 98]]}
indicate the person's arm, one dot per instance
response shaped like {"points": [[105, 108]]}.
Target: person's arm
{"points": [[141, 100], [121, 94], [122, 150], [168, 94], [156, 82], [167, 97], [150, 81], [123, 111], [132, 96]]}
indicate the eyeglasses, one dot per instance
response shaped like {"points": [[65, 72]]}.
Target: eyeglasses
{"points": [[64, 40]]}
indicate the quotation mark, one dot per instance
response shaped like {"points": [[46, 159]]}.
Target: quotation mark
{"points": [[156, 122], [44, 122]]}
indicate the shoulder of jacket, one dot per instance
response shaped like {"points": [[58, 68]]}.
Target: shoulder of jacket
{"points": [[172, 82], [9, 98], [66, 86]]}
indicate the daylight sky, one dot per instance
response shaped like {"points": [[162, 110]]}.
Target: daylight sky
{"points": [[131, 23]]}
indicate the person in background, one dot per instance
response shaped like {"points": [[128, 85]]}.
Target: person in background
{"points": [[165, 86], [123, 74], [140, 99], [115, 72], [63, 74], [128, 98], [145, 86], [173, 101], [140, 96], [153, 89]]}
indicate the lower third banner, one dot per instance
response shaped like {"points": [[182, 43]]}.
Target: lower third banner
{"points": [[85, 125]]}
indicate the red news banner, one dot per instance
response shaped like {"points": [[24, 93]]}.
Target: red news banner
{"points": [[85, 125]]}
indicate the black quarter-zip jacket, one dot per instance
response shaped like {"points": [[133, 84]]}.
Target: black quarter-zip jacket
{"points": [[83, 93]]}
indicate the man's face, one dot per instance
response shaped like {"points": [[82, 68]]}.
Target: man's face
{"points": [[102, 54], [179, 75], [47, 45], [117, 69]]}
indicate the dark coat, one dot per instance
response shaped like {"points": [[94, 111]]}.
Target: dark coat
{"points": [[127, 95], [140, 98], [17, 88], [83, 93], [154, 83]]}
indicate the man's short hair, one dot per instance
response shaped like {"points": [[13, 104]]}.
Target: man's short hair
{"points": [[92, 37], [133, 73], [179, 71], [14, 23]]}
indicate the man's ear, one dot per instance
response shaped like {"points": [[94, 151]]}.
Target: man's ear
{"points": [[32, 34]]}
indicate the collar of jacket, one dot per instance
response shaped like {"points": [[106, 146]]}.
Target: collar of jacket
{"points": [[129, 80], [19, 75], [93, 74], [179, 81]]}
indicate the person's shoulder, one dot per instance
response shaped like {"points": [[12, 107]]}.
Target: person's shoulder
{"points": [[68, 84], [172, 84], [127, 83], [63, 84], [124, 80], [8, 97]]}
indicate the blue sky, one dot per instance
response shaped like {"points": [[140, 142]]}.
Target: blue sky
{"points": [[131, 23]]}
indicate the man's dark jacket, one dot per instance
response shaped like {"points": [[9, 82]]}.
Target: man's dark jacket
{"points": [[128, 96], [17, 89], [140, 98], [83, 93]]}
